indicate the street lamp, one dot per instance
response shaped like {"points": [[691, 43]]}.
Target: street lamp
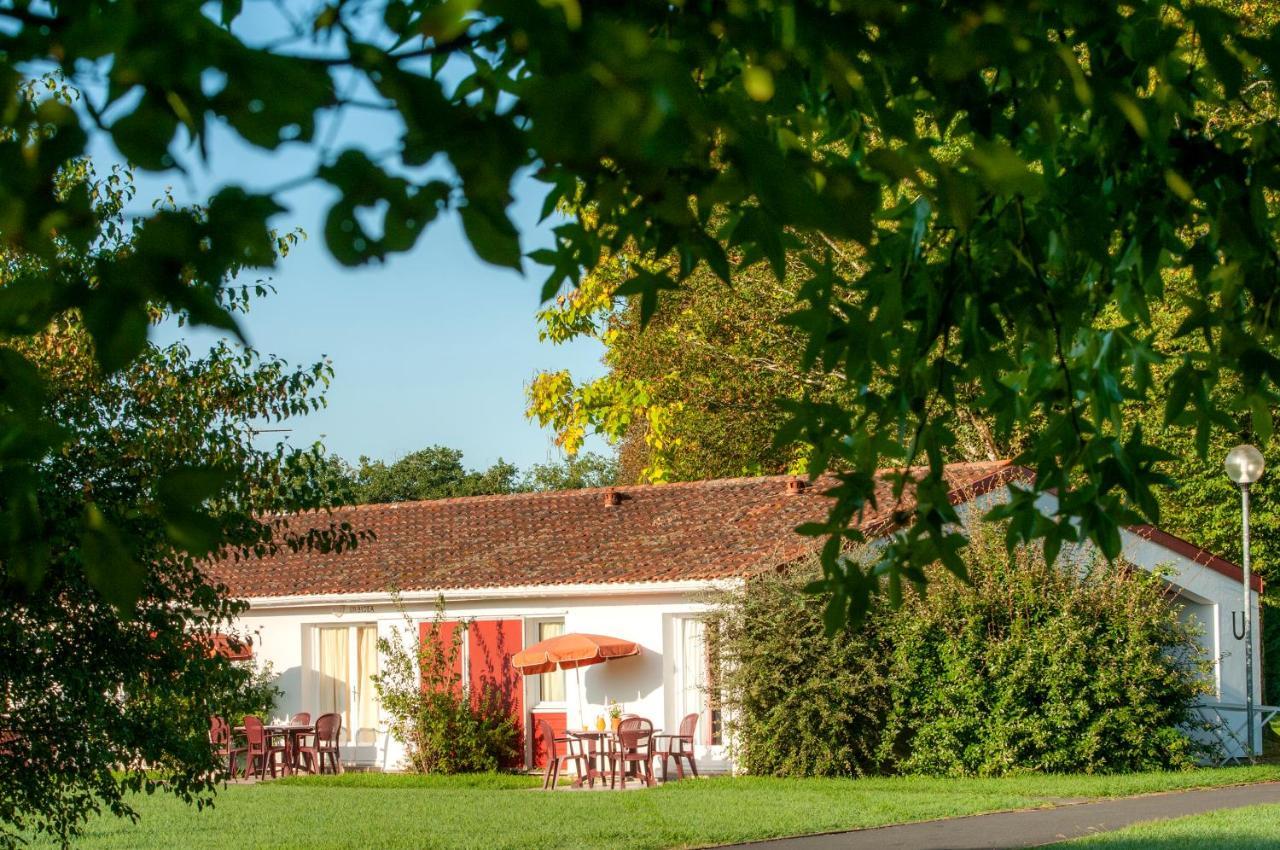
{"points": [[1244, 466]]}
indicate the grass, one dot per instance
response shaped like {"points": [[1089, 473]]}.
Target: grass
{"points": [[498, 811], [1251, 828]]}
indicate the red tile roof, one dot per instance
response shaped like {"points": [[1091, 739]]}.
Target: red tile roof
{"points": [[693, 530]]}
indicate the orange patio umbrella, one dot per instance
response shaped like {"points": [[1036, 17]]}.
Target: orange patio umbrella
{"points": [[566, 652], [572, 651]]}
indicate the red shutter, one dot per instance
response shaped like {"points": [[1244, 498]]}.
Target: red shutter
{"points": [[444, 634], [495, 684], [490, 645]]}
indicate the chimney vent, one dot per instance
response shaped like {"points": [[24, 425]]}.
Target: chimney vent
{"points": [[796, 486], [612, 498]]}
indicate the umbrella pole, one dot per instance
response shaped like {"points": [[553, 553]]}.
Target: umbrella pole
{"points": [[582, 715]]}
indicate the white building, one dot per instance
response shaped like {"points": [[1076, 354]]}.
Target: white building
{"points": [[632, 562]]}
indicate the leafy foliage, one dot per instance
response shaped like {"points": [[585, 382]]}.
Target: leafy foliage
{"points": [[1078, 667], [698, 392], [580, 471], [1013, 182], [435, 472], [445, 728], [105, 671], [258, 697]]}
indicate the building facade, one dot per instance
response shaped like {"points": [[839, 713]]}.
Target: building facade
{"points": [[640, 563]]}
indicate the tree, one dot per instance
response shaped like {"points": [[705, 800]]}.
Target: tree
{"points": [[587, 469], [435, 472], [1004, 172], [700, 391], [106, 678]]}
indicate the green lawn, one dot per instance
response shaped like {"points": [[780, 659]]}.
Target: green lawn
{"points": [[1252, 828], [392, 811]]}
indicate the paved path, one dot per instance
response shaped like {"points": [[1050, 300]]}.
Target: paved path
{"points": [[1032, 828]]}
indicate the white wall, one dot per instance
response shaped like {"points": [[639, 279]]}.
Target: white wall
{"points": [[1217, 598], [282, 631]]}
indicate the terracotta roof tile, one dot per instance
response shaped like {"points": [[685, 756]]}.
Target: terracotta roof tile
{"points": [[684, 531]]}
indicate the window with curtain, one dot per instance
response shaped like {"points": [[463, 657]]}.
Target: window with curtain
{"points": [[334, 681], [551, 685], [697, 680], [364, 725], [348, 657]]}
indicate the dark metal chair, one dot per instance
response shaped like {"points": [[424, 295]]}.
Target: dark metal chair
{"points": [[679, 746]]}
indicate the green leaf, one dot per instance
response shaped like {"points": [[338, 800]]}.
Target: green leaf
{"points": [[1260, 417], [647, 285], [145, 134], [109, 563], [492, 235], [1003, 170]]}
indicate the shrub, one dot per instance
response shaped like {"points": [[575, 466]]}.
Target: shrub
{"points": [[444, 727], [257, 693], [1079, 667], [801, 703]]}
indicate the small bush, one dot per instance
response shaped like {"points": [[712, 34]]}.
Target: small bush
{"points": [[1078, 667], [445, 728], [259, 695]]}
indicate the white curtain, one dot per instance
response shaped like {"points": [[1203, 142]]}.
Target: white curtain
{"points": [[693, 666], [551, 685], [335, 670], [366, 696]]}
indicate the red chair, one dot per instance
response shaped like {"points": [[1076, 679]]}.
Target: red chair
{"points": [[679, 746], [555, 760], [220, 738], [260, 749], [324, 743], [633, 748], [301, 718]]}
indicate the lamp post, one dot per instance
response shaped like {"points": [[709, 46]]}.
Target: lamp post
{"points": [[1244, 466]]}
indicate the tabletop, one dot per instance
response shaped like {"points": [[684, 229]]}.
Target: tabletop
{"points": [[283, 727]]}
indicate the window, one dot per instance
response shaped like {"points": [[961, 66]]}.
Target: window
{"points": [[348, 657], [697, 677], [551, 685]]}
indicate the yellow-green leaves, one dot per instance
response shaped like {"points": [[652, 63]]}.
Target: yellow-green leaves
{"points": [[758, 81]]}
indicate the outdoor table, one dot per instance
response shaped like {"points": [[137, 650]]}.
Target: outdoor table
{"points": [[599, 743], [290, 732]]}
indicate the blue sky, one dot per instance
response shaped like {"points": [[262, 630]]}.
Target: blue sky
{"points": [[433, 346]]}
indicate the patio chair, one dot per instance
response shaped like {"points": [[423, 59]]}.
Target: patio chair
{"points": [[324, 744], [301, 718], [572, 753], [679, 746], [220, 739], [260, 751], [633, 748]]}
